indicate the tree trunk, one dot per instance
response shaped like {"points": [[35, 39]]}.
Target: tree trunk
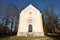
{"points": [[11, 26]]}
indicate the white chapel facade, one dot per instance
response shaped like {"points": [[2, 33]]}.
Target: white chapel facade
{"points": [[30, 22]]}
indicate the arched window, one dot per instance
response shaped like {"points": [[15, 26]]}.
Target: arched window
{"points": [[30, 28]]}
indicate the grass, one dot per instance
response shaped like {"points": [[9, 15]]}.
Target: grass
{"points": [[27, 38]]}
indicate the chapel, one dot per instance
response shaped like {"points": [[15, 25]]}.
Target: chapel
{"points": [[30, 22]]}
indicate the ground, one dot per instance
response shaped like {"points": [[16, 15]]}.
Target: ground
{"points": [[27, 38]]}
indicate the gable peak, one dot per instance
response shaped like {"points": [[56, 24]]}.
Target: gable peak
{"points": [[31, 5]]}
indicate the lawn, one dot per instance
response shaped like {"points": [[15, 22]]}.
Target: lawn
{"points": [[27, 38]]}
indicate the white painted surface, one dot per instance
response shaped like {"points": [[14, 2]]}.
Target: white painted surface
{"points": [[32, 13]]}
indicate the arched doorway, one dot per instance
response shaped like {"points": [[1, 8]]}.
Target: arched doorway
{"points": [[30, 28]]}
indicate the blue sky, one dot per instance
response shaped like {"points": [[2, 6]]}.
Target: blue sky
{"points": [[39, 4]]}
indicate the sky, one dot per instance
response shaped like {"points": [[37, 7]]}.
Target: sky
{"points": [[39, 4]]}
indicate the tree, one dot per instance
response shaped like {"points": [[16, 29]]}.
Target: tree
{"points": [[52, 19], [1, 10], [12, 13], [4, 31]]}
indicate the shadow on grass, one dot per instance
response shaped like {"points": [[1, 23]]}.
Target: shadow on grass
{"points": [[29, 38], [5, 37], [55, 37]]}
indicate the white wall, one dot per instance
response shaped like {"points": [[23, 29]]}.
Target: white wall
{"points": [[36, 17]]}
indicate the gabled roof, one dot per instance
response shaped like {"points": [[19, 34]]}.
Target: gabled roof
{"points": [[30, 6]]}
